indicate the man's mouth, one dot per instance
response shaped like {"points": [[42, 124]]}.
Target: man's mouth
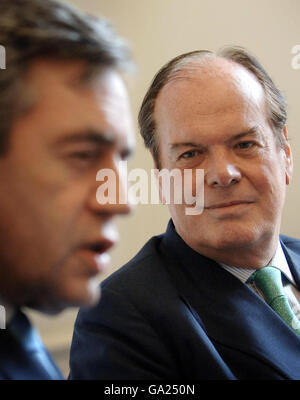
{"points": [[227, 204], [95, 253], [99, 246]]}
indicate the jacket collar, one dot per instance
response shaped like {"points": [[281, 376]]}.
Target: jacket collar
{"points": [[291, 249], [230, 312]]}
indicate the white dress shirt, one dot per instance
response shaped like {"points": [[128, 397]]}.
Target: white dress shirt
{"points": [[6, 313]]}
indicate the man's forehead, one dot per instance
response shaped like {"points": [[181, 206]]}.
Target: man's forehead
{"points": [[43, 69], [46, 75], [77, 107], [217, 98], [212, 76]]}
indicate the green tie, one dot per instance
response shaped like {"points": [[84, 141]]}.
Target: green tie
{"points": [[268, 281]]}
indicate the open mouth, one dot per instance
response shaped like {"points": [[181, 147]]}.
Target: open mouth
{"points": [[96, 255], [99, 246]]}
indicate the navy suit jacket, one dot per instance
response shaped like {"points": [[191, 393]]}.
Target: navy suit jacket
{"points": [[22, 354], [171, 313]]}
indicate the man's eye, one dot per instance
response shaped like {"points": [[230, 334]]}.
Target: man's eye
{"points": [[83, 159], [188, 154], [84, 155], [245, 145]]}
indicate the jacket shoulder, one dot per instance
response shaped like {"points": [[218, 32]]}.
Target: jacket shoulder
{"points": [[146, 263]]}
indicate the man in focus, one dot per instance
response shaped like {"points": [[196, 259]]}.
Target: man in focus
{"points": [[217, 295]]}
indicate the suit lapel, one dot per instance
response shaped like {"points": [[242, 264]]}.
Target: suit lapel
{"points": [[233, 315], [23, 355]]}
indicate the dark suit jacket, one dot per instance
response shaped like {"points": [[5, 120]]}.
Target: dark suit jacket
{"points": [[22, 354], [171, 313]]}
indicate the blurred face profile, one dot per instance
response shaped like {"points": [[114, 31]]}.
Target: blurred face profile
{"points": [[54, 235], [217, 121]]}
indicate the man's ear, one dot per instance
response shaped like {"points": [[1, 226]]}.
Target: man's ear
{"points": [[288, 157]]}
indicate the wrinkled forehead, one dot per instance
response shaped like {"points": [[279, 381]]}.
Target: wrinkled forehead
{"points": [[216, 79]]}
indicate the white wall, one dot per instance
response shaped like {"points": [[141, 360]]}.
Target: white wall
{"points": [[161, 29]]}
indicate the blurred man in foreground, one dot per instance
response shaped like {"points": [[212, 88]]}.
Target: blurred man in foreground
{"points": [[215, 297], [64, 116]]}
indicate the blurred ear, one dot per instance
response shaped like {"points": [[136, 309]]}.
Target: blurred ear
{"points": [[288, 157]]}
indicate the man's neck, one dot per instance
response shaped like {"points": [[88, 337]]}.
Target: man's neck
{"points": [[250, 256]]}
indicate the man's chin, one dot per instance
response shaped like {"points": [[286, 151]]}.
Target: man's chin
{"points": [[51, 306], [230, 239], [235, 240]]}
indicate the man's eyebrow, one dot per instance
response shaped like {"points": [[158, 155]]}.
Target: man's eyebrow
{"points": [[87, 136], [95, 137], [252, 131], [174, 146]]}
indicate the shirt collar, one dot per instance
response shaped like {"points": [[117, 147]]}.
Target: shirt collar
{"points": [[180, 249], [278, 261], [9, 310]]}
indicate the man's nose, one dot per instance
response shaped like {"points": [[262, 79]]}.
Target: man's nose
{"points": [[222, 170], [109, 195]]}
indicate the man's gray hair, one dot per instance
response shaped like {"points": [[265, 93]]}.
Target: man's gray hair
{"points": [[276, 104], [48, 28]]}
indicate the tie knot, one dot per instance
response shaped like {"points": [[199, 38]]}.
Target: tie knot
{"points": [[268, 281]]}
